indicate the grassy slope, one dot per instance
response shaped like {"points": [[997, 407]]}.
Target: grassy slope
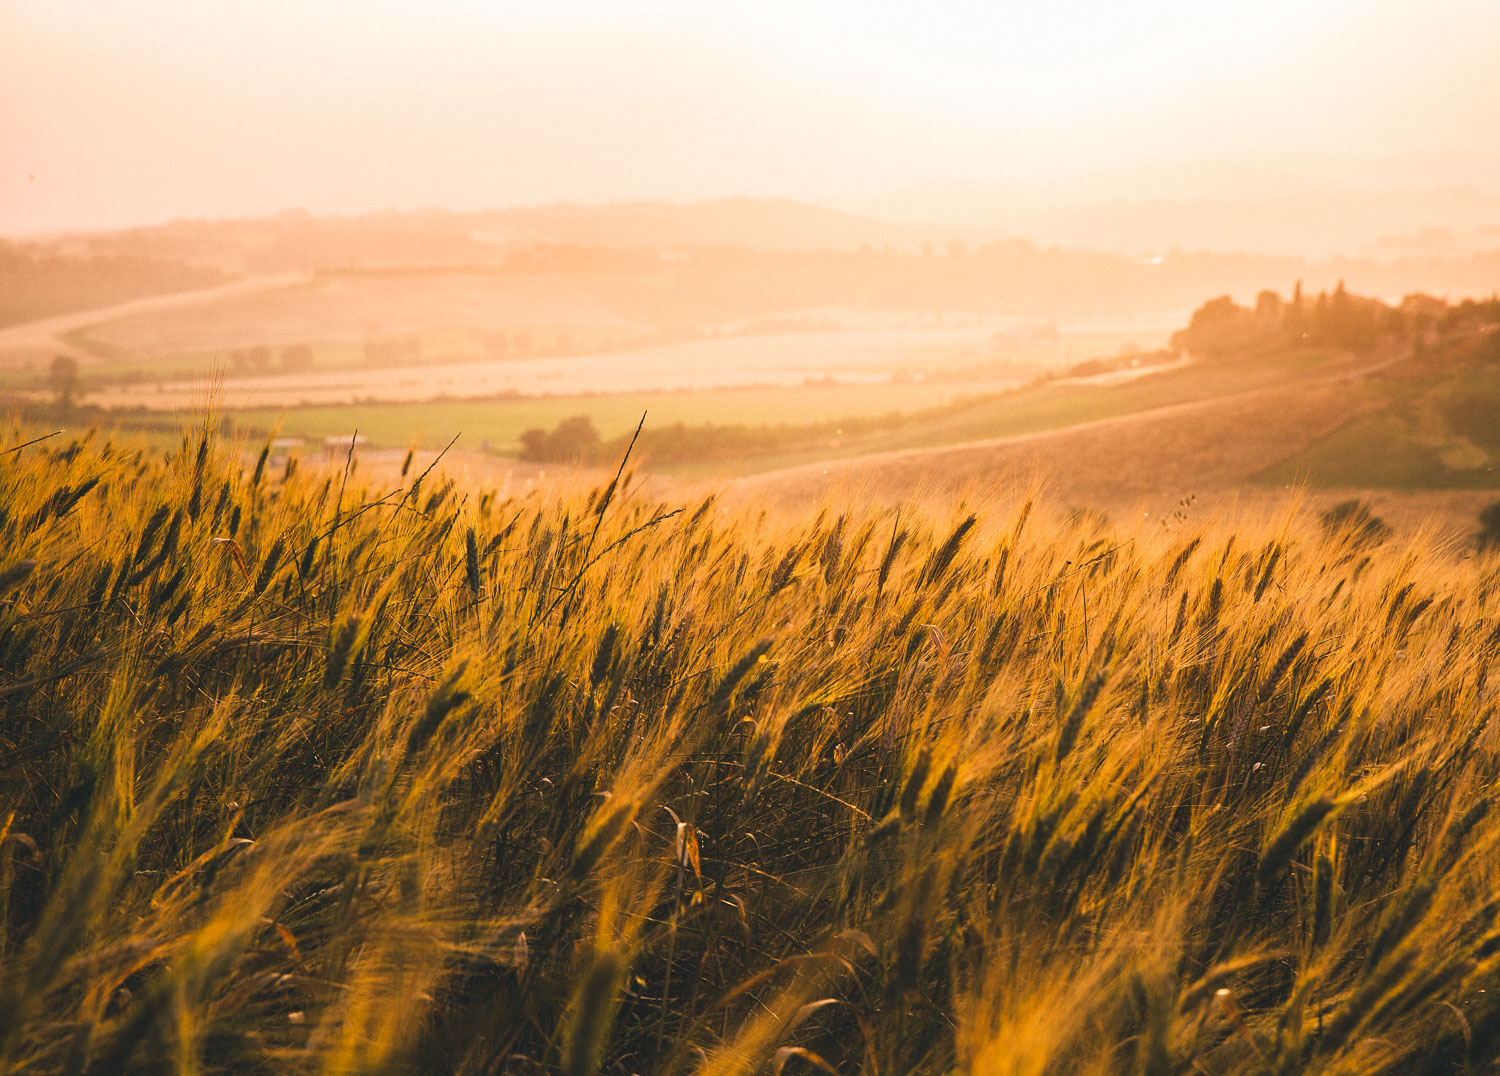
{"points": [[307, 776], [1440, 429], [1144, 461], [1041, 407]]}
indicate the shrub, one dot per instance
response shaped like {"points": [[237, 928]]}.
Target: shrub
{"points": [[1489, 526], [575, 439]]}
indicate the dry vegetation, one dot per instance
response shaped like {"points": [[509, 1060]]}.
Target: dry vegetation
{"points": [[1159, 453], [303, 775]]}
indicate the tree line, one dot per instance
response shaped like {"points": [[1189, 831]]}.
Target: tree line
{"points": [[1221, 328]]}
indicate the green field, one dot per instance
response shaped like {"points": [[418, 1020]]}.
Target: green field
{"points": [[1439, 431], [500, 422]]}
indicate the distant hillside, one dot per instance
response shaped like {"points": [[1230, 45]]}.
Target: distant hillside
{"points": [[755, 223], [362, 307], [1348, 394], [301, 241], [681, 268], [39, 283]]}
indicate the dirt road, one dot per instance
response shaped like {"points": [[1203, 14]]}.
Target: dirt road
{"points": [[20, 342]]}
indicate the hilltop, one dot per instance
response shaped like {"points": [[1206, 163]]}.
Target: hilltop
{"points": [[750, 257]]}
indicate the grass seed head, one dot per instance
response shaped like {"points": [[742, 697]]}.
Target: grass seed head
{"points": [[1296, 832], [912, 789]]}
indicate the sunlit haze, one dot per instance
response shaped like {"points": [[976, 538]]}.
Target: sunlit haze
{"points": [[119, 113]]}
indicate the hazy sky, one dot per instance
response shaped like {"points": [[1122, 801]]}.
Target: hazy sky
{"points": [[116, 112]]}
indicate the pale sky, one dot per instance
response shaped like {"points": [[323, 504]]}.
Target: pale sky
{"points": [[114, 112]]}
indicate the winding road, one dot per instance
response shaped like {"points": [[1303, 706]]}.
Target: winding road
{"points": [[20, 342]]}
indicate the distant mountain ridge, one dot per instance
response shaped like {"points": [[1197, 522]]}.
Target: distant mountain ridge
{"points": [[301, 240], [1310, 208], [756, 223]]}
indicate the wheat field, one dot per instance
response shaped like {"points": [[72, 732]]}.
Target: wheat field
{"points": [[308, 774]]}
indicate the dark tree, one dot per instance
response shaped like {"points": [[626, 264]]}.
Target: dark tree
{"points": [[1217, 329], [1268, 309], [1294, 317], [574, 439], [63, 378]]}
